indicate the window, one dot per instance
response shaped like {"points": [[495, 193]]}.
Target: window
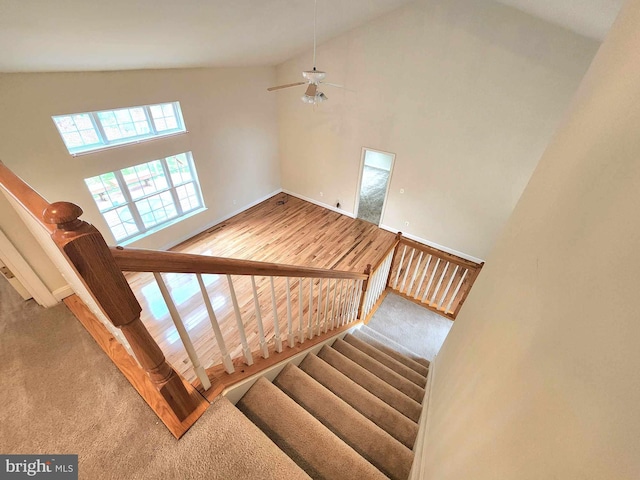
{"points": [[137, 199], [86, 132]]}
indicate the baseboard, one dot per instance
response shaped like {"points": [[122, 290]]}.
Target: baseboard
{"points": [[419, 449], [320, 204], [218, 220], [63, 292], [466, 256]]}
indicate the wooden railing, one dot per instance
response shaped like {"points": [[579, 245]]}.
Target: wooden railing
{"points": [[86, 251], [376, 285], [305, 304], [435, 279], [300, 306]]}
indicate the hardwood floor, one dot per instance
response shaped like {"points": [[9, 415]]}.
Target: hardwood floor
{"points": [[282, 229]]}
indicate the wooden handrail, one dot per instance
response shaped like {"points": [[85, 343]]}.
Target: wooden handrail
{"points": [[141, 260], [31, 200], [440, 254]]}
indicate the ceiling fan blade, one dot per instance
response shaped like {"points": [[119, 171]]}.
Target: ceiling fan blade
{"points": [[311, 90], [280, 87], [338, 86]]}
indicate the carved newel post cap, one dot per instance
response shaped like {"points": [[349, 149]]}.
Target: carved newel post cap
{"points": [[367, 271], [60, 213]]}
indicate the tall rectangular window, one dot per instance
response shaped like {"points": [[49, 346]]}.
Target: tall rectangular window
{"points": [[90, 131], [136, 199]]}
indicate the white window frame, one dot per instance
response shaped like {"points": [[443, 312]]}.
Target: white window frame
{"points": [[105, 143], [172, 187]]}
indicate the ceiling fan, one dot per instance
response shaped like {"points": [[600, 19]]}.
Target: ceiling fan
{"points": [[313, 78]]}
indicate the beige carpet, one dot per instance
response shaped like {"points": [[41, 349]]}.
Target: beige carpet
{"points": [[61, 394], [337, 414], [412, 326]]}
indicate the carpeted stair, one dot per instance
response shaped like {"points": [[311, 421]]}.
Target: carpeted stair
{"points": [[351, 411]]}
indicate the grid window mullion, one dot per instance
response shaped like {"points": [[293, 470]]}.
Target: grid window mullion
{"points": [[99, 129], [129, 201], [172, 187], [152, 124]]}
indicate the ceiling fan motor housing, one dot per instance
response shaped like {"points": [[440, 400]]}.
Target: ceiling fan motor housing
{"points": [[314, 76]]}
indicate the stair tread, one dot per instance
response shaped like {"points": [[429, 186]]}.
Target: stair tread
{"points": [[379, 370], [393, 346], [381, 389], [315, 449], [374, 444], [386, 360], [386, 417], [238, 448]]}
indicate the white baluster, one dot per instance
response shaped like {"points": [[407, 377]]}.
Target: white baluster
{"points": [[347, 302], [338, 317], [446, 290], [333, 306], [433, 274], [415, 273], [356, 302], [319, 308], [256, 303], [395, 283], [371, 293], [435, 291], [226, 359], [326, 306], [291, 337], [310, 326], [182, 332], [276, 322], [301, 309], [248, 357], [455, 292], [424, 274], [406, 271]]}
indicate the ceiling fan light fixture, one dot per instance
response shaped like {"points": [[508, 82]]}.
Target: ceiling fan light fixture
{"points": [[308, 99], [319, 97]]}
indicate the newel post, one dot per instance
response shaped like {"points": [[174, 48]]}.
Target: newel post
{"points": [[365, 284], [88, 252]]}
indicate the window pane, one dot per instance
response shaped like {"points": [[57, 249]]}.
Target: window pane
{"points": [[83, 122], [106, 191], [164, 117], [121, 222], [107, 118], [188, 197], [160, 207], [77, 130], [179, 169], [138, 114]]}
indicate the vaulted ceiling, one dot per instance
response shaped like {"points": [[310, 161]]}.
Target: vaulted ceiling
{"points": [[78, 35]]}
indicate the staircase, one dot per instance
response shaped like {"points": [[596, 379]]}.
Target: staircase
{"points": [[349, 412]]}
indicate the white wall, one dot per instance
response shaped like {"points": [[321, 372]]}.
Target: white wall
{"points": [[24, 242], [231, 122], [465, 93], [539, 377]]}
